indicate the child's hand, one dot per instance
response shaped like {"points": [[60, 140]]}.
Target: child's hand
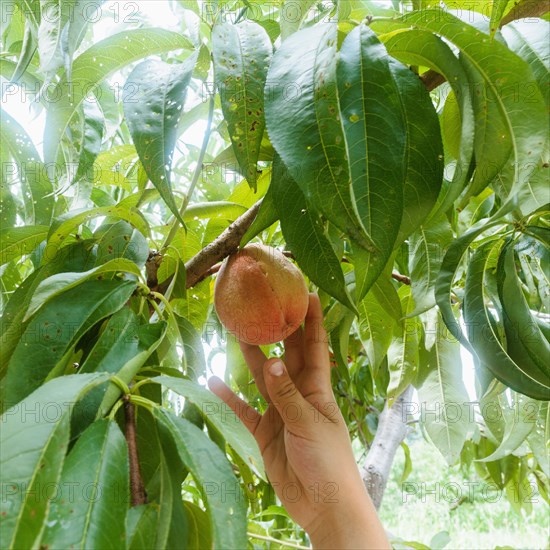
{"points": [[305, 442]]}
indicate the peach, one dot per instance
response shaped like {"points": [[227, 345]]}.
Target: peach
{"points": [[260, 296]]}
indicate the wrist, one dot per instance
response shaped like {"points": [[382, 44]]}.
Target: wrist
{"points": [[348, 525]]}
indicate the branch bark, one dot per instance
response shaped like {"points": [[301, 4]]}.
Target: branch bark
{"points": [[523, 9], [221, 247], [392, 429], [137, 489]]}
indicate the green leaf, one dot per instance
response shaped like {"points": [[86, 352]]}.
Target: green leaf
{"points": [[266, 217], [305, 235], [193, 350], [529, 41], [520, 420], [483, 336], [242, 54], [505, 75], [55, 328], [20, 241], [28, 49], [199, 535], [89, 508], [407, 468], [293, 15], [303, 122], [8, 207], [141, 526], [153, 100], [226, 422], [82, 13], [451, 125], [424, 150], [492, 142], [374, 129], [37, 189], [426, 249], [77, 256], [54, 16], [163, 473], [212, 471], [443, 398], [423, 48], [149, 337], [499, 7], [70, 221], [215, 209], [403, 357], [117, 344], [376, 326], [121, 240], [92, 67], [32, 451], [525, 343], [447, 272], [539, 437], [86, 132], [57, 284]]}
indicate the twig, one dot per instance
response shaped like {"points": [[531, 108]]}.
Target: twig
{"points": [[403, 279], [525, 9], [137, 489], [221, 247]]}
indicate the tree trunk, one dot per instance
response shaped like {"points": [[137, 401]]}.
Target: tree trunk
{"points": [[392, 429]]}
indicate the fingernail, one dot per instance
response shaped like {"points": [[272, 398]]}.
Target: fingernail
{"points": [[276, 368]]}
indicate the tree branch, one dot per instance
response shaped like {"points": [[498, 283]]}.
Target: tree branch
{"points": [[523, 9], [392, 429], [221, 247], [137, 489]]}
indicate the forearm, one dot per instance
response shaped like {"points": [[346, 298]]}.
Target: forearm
{"points": [[350, 525]]}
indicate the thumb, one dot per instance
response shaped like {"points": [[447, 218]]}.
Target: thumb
{"points": [[284, 394]]}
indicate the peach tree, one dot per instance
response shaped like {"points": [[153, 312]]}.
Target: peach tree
{"points": [[396, 151]]}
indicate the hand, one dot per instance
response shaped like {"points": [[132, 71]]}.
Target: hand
{"points": [[305, 442]]}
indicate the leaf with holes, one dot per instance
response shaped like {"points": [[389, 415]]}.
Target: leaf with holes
{"points": [[242, 54], [55, 328], [153, 100], [92, 67]]}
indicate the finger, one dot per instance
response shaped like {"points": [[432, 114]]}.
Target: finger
{"points": [[293, 409], [316, 338], [316, 351], [255, 360], [294, 352], [249, 416]]}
